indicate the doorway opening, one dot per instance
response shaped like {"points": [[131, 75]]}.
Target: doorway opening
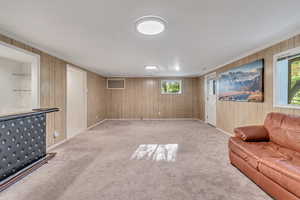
{"points": [[76, 101]]}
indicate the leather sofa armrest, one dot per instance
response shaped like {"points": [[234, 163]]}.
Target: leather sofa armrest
{"points": [[252, 133]]}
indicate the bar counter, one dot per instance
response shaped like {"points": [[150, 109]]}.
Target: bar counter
{"points": [[22, 140]]}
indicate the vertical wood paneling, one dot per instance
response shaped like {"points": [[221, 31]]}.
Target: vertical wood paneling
{"points": [[201, 98], [96, 98], [60, 74], [53, 91], [233, 114], [142, 99]]}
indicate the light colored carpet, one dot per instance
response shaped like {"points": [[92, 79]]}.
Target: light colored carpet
{"points": [[96, 165]]}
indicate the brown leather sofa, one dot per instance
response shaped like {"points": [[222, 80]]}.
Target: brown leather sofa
{"points": [[270, 155]]}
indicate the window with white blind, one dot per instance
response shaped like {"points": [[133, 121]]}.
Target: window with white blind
{"points": [[287, 79]]}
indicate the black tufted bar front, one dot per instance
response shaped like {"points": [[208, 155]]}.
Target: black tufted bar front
{"points": [[22, 140]]}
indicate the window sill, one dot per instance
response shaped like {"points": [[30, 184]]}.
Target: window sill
{"points": [[287, 106], [171, 93]]}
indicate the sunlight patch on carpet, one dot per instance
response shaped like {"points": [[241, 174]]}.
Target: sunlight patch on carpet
{"points": [[156, 152]]}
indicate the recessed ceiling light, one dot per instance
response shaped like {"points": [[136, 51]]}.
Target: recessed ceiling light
{"points": [[150, 25], [151, 67]]}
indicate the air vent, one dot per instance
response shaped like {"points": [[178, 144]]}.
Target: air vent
{"points": [[115, 84]]}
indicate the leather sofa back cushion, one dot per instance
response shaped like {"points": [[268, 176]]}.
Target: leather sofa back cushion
{"points": [[284, 130]]}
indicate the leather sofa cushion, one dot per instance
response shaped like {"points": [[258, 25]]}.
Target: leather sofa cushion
{"points": [[285, 172], [252, 133], [252, 152], [284, 130], [271, 187], [244, 166]]}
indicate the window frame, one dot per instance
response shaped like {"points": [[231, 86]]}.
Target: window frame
{"points": [[290, 78], [276, 57], [168, 93]]}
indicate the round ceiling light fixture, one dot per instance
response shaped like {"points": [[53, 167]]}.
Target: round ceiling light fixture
{"points": [[150, 25], [151, 67]]}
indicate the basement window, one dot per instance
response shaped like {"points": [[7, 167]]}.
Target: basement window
{"points": [[294, 81], [171, 87], [287, 79]]}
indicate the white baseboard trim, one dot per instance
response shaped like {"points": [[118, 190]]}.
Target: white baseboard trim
{"points": [[98, 123], [67, 139], [225, 132], [57, 144], [221, 130], [152, 119]]}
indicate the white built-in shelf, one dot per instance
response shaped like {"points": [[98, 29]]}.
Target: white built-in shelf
{"points": [[18, 90], [21, 74]]}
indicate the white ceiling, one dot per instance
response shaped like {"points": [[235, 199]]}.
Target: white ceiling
{"points": [[100, 34]]}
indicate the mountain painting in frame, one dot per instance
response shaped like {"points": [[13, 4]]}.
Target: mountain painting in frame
{"points": [[243, 83]]}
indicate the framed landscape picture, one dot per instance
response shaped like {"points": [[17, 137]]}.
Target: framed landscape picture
{"points": [[171, 86], [243, 83]]}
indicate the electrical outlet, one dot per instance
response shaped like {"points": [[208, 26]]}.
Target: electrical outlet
{"points": [[56, 134]]}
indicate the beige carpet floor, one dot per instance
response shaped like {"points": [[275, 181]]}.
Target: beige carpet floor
{"points": [[96, 165]]}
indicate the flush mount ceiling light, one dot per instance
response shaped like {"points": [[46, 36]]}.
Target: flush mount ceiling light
{"points": [[150, 25], [151, 67]]}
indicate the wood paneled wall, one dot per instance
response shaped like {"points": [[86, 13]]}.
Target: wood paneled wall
{"points": [[201, 99], [96, 98], [142, 99], [233, 114], [53, 91]]}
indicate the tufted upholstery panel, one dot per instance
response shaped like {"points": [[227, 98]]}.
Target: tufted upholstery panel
{"points": [[22, 142]]}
